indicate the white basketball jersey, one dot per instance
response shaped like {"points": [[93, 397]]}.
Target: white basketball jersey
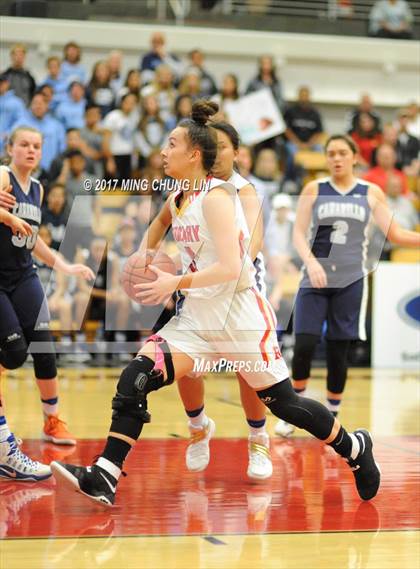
{"points": [[195, 243]]}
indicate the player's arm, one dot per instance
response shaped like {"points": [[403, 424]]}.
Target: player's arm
{"points": [[219, 212], [383, 217], [7, 199], [305, 204], [254, 218], [52, 259], [157, 229], [16, 224]]}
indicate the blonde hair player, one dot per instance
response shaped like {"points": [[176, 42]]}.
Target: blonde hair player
{"points": [[24, 313], [223, 316], [334, 287], [191, 388]]}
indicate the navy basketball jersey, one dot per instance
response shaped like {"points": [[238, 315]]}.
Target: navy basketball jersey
{"points": [[16, 250], [339, 231]]}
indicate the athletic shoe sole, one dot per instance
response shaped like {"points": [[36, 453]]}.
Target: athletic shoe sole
{"points": [[64, 442], [62, 475], [20, 478]]}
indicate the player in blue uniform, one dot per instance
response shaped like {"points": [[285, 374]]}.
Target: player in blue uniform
{"points": [[337, 211], [24, 316]]}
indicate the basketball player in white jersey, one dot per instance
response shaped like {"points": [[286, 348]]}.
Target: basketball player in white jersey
{"points": [[223, 316], [191, 388]]}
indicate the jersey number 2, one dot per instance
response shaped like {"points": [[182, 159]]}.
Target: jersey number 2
{"points": [[339, 232]]}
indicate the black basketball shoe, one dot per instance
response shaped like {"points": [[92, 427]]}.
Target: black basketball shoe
{"points": [[92, 481], [364, 467]]}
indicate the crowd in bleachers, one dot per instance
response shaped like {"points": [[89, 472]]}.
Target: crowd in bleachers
{"points": [[109, 123]]}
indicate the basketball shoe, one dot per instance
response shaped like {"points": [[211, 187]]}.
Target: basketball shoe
{"points": [[260, 466], [92, 481], [56, 431], [15, 465], [197, 456], [365, 470], [284, 429]]}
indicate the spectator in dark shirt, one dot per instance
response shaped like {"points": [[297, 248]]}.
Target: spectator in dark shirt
{"points": [[74, 141], [408, 146], [207, 82], [267, 78], [93, 135], [132, 85], [303, 129], [158, 55], [99, 90], [21, 81], [55, 214], [365, 106]]}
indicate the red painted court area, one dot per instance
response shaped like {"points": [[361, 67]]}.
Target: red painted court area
{"points": [[311, 490]]}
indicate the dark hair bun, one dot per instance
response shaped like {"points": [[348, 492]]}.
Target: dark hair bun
{"points": [[202, 110]]}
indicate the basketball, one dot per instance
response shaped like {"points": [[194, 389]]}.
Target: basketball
{"points": [[136, 270]]}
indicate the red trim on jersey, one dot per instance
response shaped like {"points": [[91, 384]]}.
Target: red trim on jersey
{"points": [[267, 322]]}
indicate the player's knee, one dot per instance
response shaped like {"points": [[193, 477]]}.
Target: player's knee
{"points": [[302, 412], [137, 380], [13, 351], [45, 366], [283, 402], [304, 349], [43, 353]]}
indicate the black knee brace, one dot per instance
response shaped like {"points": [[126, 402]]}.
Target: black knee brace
{"points": [[42, 349], [302, 412], [304, 349], [337, 364], [13, 350], [137, 380]]}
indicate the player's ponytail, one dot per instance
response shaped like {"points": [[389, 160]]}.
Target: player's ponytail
{"points": [[202, 110], [199, 131]]}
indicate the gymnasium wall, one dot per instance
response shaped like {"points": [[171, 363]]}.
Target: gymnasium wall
{"points": [[337, 69]]}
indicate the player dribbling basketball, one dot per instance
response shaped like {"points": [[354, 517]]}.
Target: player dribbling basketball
{"points": [[222, 316]]}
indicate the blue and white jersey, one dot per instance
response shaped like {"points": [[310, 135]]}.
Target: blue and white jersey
{"points": [[16, 250], [338, 234]]}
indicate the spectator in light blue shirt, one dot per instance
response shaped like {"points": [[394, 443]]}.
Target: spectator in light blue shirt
{"points": [[56, 80], [391, 19], [71, 111], [71, 68], [11, 109], [53, 133]]}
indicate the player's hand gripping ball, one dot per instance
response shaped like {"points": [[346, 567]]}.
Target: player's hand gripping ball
{"points": [[136, 271]]}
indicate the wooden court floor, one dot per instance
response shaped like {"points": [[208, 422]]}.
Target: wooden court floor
{"points": [[307, 516]]}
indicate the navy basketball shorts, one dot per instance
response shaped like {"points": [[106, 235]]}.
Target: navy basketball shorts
{"points": [[344, 310], [23, 306]]}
